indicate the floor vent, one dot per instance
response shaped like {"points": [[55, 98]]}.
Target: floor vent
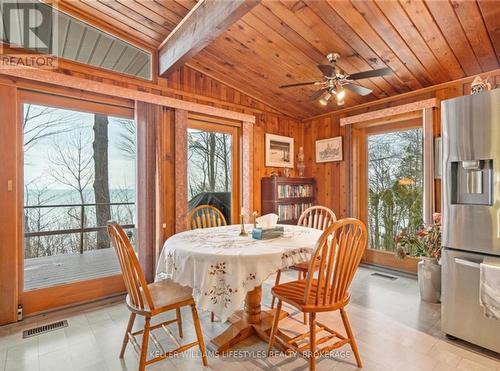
{"points": [[386, 276], [44, 329]]}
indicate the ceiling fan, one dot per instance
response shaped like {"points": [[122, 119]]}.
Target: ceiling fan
{"points": [[335, 80]]}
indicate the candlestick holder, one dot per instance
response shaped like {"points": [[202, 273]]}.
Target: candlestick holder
{"points": [[242, 231]]}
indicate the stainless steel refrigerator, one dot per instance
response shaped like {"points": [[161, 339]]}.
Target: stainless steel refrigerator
{"points": [[470, 212]]}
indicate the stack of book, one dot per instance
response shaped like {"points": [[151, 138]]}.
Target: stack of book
{"points": [[293, 211], [295, 191]]}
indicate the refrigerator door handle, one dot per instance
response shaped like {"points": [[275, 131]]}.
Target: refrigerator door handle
{"points": [[467, 263]]}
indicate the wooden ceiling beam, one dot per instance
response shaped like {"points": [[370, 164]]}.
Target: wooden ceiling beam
{"points": [[203, 24]]}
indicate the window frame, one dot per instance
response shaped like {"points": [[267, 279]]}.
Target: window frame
{"points": [[48, 298], [359, 177]]}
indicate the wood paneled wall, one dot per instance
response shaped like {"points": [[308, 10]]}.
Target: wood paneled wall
{"points": [[333, 179]]}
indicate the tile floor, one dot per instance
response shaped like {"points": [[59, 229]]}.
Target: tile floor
{"points": [[393, 328]]}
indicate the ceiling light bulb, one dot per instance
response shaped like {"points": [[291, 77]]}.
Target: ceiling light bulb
{"points": [[324, 100], [340, 95]]}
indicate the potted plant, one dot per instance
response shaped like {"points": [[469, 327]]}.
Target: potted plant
{"points": [[427, 245]]}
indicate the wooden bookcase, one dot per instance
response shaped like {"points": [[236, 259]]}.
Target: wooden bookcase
{"points": [[287, 197]]}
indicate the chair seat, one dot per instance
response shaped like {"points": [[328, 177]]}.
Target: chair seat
{"points": [[293, 293], [167, 293]]}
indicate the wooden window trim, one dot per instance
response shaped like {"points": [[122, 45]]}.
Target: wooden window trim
{"points": [[193, 117], [95, 87], [10, 219], [74, 104]]}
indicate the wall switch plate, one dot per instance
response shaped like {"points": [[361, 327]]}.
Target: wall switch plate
{"points": [[10, 184]]}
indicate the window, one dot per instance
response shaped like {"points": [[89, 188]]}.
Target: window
{"points": [[210, 170], [395, 186], [80, 42], [79, 172]]}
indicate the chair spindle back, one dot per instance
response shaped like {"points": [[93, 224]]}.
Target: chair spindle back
{"points": [[318, 217], [336, 258], [206, 216], [136, 284]]}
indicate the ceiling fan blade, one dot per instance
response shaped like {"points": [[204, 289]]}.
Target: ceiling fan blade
{"points": [[371, 73], [327, 70], [358, 89], [317, 94], [300, 84]]}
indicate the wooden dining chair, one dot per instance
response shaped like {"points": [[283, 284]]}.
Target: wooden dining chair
{"points": [[318, 217], [206, 216], [149, 300], [337, 257]]}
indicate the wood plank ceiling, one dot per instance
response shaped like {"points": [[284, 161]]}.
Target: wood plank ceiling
{"points": [[146, 22], [425, 42]]}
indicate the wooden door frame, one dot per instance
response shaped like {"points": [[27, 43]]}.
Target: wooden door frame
{"points": [[235, 130], [359, 175], [47, 298]]}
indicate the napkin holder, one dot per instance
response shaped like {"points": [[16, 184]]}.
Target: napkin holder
{"points": [[266, 234]]}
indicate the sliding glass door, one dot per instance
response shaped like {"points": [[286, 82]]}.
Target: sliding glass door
{"points": [[79, 173]]}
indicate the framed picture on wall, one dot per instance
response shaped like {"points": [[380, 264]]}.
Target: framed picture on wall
{"points": [[279, 151], [328, 150]]}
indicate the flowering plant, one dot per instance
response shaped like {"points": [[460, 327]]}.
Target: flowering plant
{"points": [[431, 238], [407, 244], [427, 241]]}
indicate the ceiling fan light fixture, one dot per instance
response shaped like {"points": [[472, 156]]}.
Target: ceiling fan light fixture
{"points": [[340, 95], [335, 79], [324, 100]]}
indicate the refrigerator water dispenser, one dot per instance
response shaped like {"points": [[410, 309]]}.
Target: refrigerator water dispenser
{"points": [[472, 182]]}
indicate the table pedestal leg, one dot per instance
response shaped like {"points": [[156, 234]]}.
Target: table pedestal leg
{"points": [[250, 321]]}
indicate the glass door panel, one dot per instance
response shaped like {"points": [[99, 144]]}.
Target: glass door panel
{"points": [[395, 186], [79, 172], [213, 167]]}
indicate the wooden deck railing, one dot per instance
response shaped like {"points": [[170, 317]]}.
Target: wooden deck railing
{"points": [[82, 229]]}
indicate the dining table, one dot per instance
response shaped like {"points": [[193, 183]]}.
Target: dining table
{"points": [[226, 271]]}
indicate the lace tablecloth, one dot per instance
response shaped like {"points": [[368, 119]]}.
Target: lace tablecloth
{"points": [[222, 267]]}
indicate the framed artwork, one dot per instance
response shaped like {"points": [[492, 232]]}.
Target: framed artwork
{"points": [[328, 150], [279, 151]]}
